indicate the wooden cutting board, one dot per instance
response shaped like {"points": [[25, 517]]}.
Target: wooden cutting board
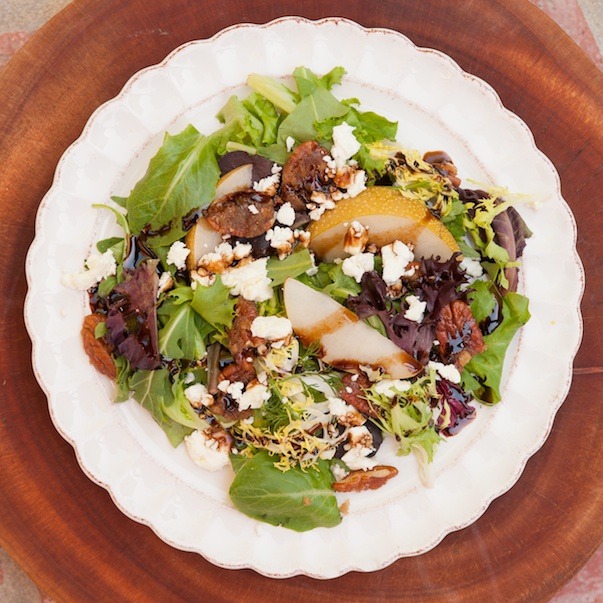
{"points": [[66, 532]]}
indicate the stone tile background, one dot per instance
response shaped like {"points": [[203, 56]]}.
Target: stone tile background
{"points": [[581, 19]]}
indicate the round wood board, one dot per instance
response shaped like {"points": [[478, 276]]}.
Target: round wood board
{"points": [[66, 532]]}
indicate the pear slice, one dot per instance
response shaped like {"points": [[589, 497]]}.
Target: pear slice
{"points": [[345, 340], [202, 238], [389, 215]]}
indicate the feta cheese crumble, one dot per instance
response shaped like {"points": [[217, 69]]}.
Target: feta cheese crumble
{"points": [[289, 143], [253, 397], [472, 267], [177, 255], [281, 238], [96, 268], [269, 185], [198, 395], [416, 308], [345, 144], [286, 214], [446, 371], [206, 451], [250, 281], [396, 257], [273, 328], [356, 265]]}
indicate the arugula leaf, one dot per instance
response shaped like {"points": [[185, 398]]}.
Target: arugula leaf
{"points": [[215, 305], [153, 391], [180, 177], [482, 374], [295, 499]]}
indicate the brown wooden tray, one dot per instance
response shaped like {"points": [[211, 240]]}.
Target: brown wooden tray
{"points": [[66, 532]]}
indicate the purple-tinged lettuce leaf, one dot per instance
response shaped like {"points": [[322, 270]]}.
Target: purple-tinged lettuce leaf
{"points": [[132, 317]]}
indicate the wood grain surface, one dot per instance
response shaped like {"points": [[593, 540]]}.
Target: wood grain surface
{"points": [[66, 532]]}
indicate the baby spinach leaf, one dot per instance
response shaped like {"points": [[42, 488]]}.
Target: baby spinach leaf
{"points": [[297, 499]]}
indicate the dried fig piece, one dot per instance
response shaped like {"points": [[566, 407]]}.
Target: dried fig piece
{"points": [[458, 334], [303, 174], [97, 349], [360, 480], [246, 213]]}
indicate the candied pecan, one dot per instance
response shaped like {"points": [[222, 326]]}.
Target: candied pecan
{"points": [[98, 350], [360, 480], [226, 407], [246, 213], [458, 334], [352, 393], [303, 174], [442, 162]]}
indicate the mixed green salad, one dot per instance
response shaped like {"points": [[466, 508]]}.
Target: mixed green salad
{"points": [[295, 287]]}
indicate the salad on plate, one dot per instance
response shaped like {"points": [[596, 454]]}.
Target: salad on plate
{"points": [[296, 287]]}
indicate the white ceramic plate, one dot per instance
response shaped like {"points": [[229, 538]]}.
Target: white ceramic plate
{"points": [[438, 106]]}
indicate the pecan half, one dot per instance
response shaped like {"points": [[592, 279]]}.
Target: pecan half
{"points": [[98, 350], [360, 480], [458, 334]]}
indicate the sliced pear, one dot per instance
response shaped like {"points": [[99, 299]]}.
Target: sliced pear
{"points": [[389, 215], [202, 238], [346, 341], [236, 180]]}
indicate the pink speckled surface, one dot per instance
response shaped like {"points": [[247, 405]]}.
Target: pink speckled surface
{"points": [[581, 19]]}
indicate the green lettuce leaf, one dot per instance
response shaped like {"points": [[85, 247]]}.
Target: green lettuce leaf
{"points": [[180, 177], [215, 305], [307, 81], [293, 266], [482, 374], [295, 499], [153, 391], [181, 335]]}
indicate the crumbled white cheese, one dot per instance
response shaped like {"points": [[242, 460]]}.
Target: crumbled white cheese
{"points": [[356, 186], [416, 308], [269, 185], [314, 268], [251, 281], [165, 283], [198, 395], [356, 238], [233, 388], [396, 258], [273, 328], [338, 472], [356, 458], [206, 451], [286, 214], [391, 387], [281, 238], [253, 397], [96, 268], [241, 250], [338, 407], [206, 280], [177, 255], [253, 209], [289, 143], [472, 267], [356, 265], [345, 144], [446, 371]]}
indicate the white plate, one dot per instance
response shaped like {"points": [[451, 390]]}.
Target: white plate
{"points": [[438, 107]]}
